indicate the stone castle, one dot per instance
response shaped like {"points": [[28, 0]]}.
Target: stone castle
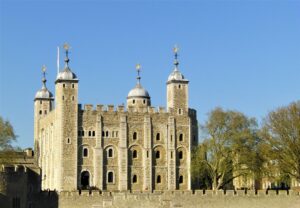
{"points": [[136, 147]]}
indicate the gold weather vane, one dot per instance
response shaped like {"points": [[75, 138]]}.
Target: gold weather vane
{"points": [[44, 69], [67, 46]]}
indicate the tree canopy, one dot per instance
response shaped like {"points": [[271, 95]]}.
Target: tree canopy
{"points": [[7, 135]]}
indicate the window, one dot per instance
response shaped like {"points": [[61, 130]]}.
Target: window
{"points": [[158, 179], [85, 152], [134, 136], [110, 153], [147, 154], [179, 86], [68, 141], [90, 133], [64, 85], [106, 134], [41, 112], [72, 85], [93, 133], [180, 155], [171, 155], [134, 179], [103, 134], [157, 154], [82, 133], [73, 98], [113, 134], [144, 101], [110, 177], [134, 154], [180, 137], [158, 136], [179, 111], [180, 179], [133, 101]]}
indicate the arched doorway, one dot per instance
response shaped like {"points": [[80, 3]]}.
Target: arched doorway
{"points": [[85, 180]]}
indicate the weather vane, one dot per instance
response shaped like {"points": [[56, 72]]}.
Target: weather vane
{"points": [[66, 46], [138, 69], [44, 68], [176, 49]]}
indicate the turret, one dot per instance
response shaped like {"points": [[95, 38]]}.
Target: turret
{"points": [[138, 97], [177, 90], [43, 104], [66, 113]]}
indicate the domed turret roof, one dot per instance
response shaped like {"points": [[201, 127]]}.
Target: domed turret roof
{"points": [[138, 91], [66, 74], [43, 93], [176, 75]]}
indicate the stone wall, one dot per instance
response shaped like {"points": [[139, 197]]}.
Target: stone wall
{"points": [[186, 199]]}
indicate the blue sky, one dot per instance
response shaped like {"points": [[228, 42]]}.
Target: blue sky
{"points": [[240, 55]]}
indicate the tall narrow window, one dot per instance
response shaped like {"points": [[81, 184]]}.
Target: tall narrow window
{"points": [[41, 112], [73, 98], [144, 101], [68, 141], [158, 179], [157, 154], [90, 133], [110, 152], [179, 111], [180, 155], [134, 136], [134, 179], [181, 137], [158, 136], [110, 177], [72, 85], [134, 154], [106, 134], [82, 133], [41, 102], [64, 85], [103, 134], [180, 179], [171, 155], [93, 133], [85, 152], [133, 101]]}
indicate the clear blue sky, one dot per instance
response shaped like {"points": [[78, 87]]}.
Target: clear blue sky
{"points": [[240, 55]]}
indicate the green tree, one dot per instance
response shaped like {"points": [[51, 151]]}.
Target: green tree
{"points": [[281, 131], [230, 148], [7, 135]]}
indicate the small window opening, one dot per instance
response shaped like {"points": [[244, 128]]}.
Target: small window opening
{"points": [[179, 111], [179, 86], [180, 137], [103, 134], [144, 101], [110, 177], [64, 85], [85, 152], [147, 154], [41, 112], [133, 101], [158, 179], [134, 154], [171, 155], [68, 141], [134, 136], [106, 134], [180, 155], [73, 98], [134, 179], [110, 152], [93, 133], [158, 136], [157, 154], [72, 85], [90, 133], [180, 179]]}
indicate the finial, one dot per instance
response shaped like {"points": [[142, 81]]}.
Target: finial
{"points": [[67, 48], [138, 69], [44, 69], [176, 63]]}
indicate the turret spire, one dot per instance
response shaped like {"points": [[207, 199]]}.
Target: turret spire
{"points": [[67, 48], [176, 63], [138, 69], [44, 80]]}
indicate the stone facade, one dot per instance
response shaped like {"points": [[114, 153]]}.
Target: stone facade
{"points": [[137, 147]]}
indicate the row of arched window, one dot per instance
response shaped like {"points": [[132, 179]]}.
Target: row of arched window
{"points": [[89, 133], [112, 134], [158, 137], [109, 152]]}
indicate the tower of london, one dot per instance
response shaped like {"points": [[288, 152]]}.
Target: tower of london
{"points": [[132, 147]]}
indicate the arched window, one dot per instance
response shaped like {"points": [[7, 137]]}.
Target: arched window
{"points": [[90, 133], [171, 154], [180, 137], [134, 137], [85, 152], [180, 155], [179, 111], [133, 101], [158, 136], [68, 141], [134, 179], [134, 154], [110, 177], [64, 85], [158, 179], [41, 112], [110, 152], [106, 134], [103, 134], [179, 86], [180, 179], [157, 154], [94, 133], [144, 101]]}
